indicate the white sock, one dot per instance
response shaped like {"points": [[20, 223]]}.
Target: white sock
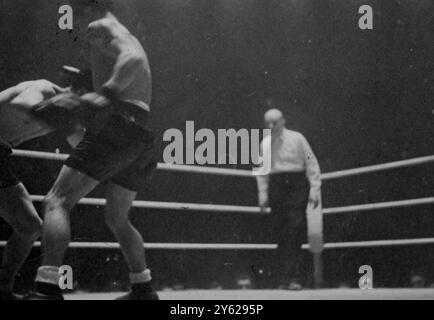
{"points": [[48, 274], [140, 277]]}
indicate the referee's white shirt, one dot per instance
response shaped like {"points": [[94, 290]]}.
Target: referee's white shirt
{"points": [[290, 152]]}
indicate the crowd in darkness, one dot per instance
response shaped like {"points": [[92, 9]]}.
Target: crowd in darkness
{"points": [[360, 97]]}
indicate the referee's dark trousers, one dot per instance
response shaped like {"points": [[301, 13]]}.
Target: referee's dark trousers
{"points": [[288, 198]]}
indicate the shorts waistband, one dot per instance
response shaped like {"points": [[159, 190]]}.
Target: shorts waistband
{"points": [[132, 113], [289, 174], [288, 177]]}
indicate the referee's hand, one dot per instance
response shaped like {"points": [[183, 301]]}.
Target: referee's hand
{"points": [[314, 200]]}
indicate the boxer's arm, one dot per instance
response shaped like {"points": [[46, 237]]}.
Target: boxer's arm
{"points": [[7, 95], [49, 88], [112, 39], [125, 71], [59, 90]]}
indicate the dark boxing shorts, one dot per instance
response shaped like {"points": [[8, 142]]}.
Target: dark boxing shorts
{"points": [[7, 177], [122, 152]]}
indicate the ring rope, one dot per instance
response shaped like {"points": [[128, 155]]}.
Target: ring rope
{"points": [[378, 167], [244, 173], [248, 209], [246, 246], [374, 243], [245, 209], [171, 205], [161, 166], [170, 246], [380, 205]]}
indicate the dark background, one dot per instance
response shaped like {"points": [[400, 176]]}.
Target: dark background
{"points": [[360, 97]]}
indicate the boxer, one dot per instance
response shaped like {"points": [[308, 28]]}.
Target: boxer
{"points": [[17, 209], [117, 150], [36, 108], [20, 121], [17, 121], [18, 124]]}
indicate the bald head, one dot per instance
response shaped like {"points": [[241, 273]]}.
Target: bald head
{"points": [[275, 121], [273, 115]]}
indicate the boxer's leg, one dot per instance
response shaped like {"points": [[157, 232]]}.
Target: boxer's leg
{"points": [[119, 202], [70, 186], [120, 196], [18, 211]]}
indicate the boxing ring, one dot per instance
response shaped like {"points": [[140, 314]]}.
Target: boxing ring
{"points": [[319, 246]]}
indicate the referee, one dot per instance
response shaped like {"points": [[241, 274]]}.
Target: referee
{"points": [[293, 182]]}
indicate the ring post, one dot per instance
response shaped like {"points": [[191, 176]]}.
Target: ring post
{"points": [[317, 271], [316, 241]]}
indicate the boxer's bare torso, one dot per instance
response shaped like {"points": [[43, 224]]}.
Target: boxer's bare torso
{"points": [[26, 94], [17, 122], [118, 60]]}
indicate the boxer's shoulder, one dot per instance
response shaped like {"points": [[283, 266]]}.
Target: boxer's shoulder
{"points": [[110, 28], [24, 85], [33, 92], [42, 83], [104, 25], [101, 32], [37, 84]]}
